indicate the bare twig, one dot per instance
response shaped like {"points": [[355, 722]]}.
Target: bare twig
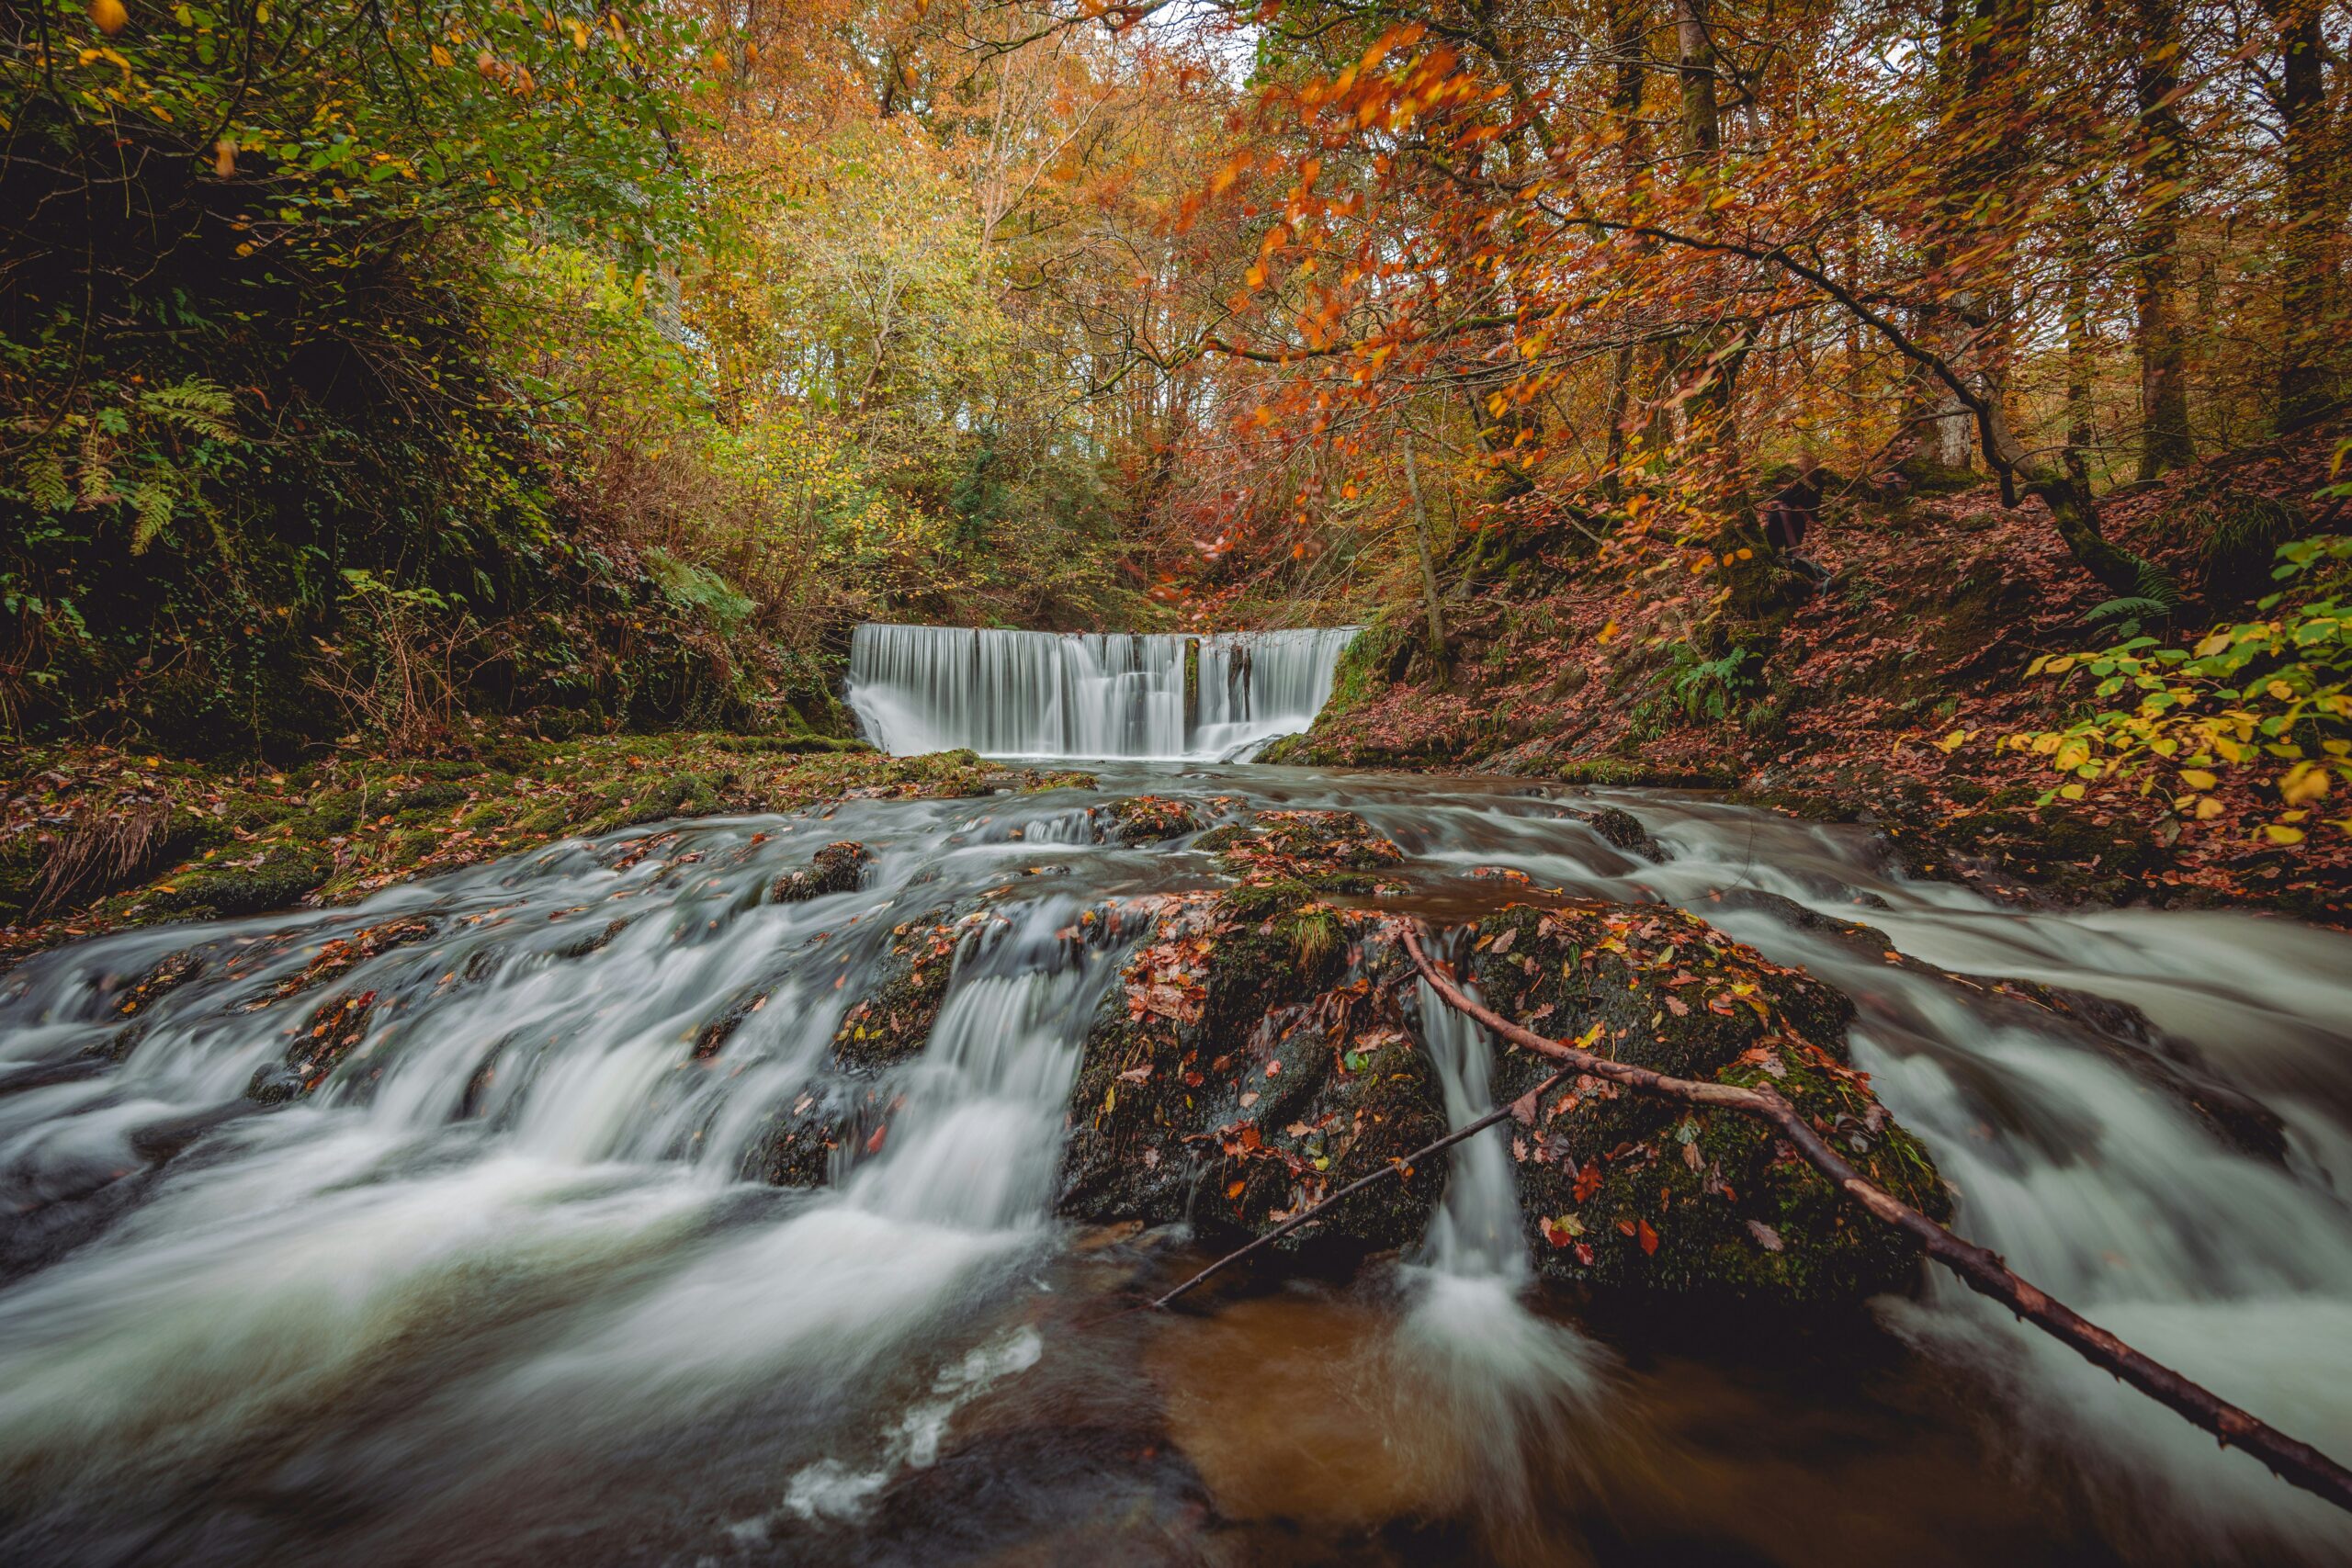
{"points": [[1400, 1168], [2298, 1463]]}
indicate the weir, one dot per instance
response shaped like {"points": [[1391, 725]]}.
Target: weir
{"points": [[1093, 694]]}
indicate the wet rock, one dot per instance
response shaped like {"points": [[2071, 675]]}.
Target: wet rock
{"points": [[1867, 940], [1622, 829], [1148, 819], [1258, 1055], [597, 942], [1629, 1190], [327, 1037], [168, 975], [2125, 1035], [837, 868], [339, 954], [1246, 1066], [1251, 1059]]}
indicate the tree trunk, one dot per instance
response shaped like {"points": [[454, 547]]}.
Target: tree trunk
{"points": [[1429, 563], [1629, 23], [2165, 441], [2305, 387]]}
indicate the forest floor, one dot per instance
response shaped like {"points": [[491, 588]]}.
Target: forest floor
{"points": [[1847, 708], [94, 839]]}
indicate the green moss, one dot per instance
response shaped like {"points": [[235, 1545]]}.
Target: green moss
{"points": [[226, 885]]}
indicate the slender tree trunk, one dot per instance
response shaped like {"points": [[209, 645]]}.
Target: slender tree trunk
{"points": [[1428, 562], [2306, 293], [1629, 43], [2165, 441], [1715, 362], [2082, 350], [1936, 420]]}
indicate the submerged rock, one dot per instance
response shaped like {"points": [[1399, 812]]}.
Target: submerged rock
{"points": [[837, 868], [1622, 829]]}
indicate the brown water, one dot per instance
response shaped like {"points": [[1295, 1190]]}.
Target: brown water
{"points": [[496, 1293]]}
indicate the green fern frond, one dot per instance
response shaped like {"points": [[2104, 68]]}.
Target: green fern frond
{"points": [[152, 504], [2134, 608], [2155, 582], [194, 404], [45, 481]]}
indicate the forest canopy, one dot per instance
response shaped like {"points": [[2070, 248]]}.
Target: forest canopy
{"points": [[366, 367]]}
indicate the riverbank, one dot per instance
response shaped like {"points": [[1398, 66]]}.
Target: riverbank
{"points": [[1890, 698], [95, 838]]}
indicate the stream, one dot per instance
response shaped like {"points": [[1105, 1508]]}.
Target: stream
{"points": [[497, 1291]]}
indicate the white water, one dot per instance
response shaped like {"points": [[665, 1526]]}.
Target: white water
{"points": [[1097, 694], [499, 1286]]}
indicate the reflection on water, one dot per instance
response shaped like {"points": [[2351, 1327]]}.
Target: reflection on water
{"points": [[497, 1291]]}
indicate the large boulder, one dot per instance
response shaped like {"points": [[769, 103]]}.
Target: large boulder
{"points": [[1259, 1054]]}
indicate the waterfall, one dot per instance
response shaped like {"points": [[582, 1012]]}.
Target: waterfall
{"points": [[1094, 694]]}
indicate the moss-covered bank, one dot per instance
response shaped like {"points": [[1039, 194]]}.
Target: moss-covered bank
{"points": [[94, 839]]}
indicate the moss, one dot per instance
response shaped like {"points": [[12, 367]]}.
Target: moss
{"points": [[836, 868], [1636, 1193], [275, 877], [1147, 818]]}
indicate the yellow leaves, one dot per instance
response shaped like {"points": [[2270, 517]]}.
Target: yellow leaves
{"points": [[2072, 754], [1256, 276], [1953, 742], [2069, 792], [2207, 808], [224, 157], [1608, 634], [579, 35], [109, 16], [442, 57], [2278, 833], [2212, 644], [2306, 784], [2198, 778]]}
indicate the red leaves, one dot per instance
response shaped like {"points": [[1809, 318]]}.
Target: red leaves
{"points": [[1587, 1182]]}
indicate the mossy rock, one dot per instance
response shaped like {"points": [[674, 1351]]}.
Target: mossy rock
{"points": [[1149, 819], [226, 885], [1232, 1078], [837, 868], [431, 797], [1635, 1192]]}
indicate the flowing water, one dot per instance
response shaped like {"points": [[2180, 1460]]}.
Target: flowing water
{"points": [[498, 1291], [1093, 695]]}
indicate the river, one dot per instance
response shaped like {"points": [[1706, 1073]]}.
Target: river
{"points": [[497, 1289]]}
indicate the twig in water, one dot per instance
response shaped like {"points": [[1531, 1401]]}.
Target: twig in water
{"points": [[1398, 1168]]}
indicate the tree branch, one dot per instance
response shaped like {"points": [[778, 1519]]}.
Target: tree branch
{"points": [[2297, 1463]]}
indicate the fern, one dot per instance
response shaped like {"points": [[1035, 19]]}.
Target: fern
{"points": [[45, 480], [152, 502], [2155, 582], [194, 405], [2129, 608]]}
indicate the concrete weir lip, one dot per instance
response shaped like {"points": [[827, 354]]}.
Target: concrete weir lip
{"points": [[1136, 695]]}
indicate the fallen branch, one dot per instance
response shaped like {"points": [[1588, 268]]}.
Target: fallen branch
{"points": [[1398, 1168], [2298, 1463]]}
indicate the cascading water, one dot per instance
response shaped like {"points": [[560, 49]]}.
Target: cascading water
{"points": [[498, 1289], [1097, 694]]}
